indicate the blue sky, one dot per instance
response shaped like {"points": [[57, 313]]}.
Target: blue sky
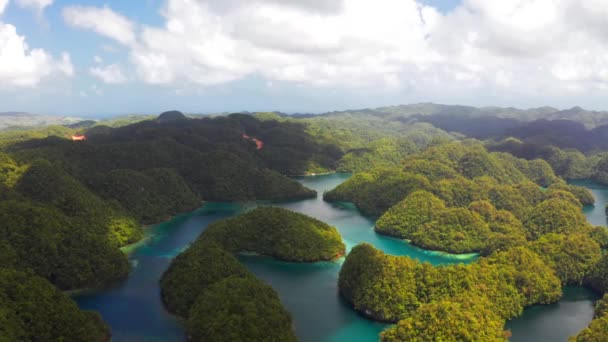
{"points": [[91, 58]]}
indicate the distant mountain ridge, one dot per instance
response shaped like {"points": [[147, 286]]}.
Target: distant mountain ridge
{"points": [[16, 119], [589, 118], [584, 130]]}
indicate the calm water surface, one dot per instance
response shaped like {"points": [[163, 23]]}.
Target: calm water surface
{"points": [[308, 291], [556, 322]]}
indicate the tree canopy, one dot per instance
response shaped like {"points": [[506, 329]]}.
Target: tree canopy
{"points": [[219, 297]]}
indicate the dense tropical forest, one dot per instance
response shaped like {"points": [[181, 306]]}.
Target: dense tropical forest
{"points": [[67, 205], [456, 179], [220, 299]]}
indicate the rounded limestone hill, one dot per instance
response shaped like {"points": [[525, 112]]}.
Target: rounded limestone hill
{"points": [[243, 309], [219, 298], [172, 115], [31, 309], [278, 233]]}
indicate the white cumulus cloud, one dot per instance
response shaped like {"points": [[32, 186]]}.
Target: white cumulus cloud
{"points": [[21, 66], [109, 74], [3, 5], [102, 20], [515, 46], [36, 5], [354, 42]]}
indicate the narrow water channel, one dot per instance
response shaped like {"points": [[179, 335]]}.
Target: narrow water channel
{"points": [[309, 291]]}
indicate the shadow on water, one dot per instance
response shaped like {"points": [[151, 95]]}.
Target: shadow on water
{"points": [[134, 309]]}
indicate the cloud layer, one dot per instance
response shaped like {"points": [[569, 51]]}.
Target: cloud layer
{"points": [[21, 66], [533, 46], [512, 47], [111, 74], [102, 20], [36, 5]]}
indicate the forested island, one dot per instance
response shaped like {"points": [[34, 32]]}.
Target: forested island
{"points": [[66, 207], [453, 179], [220, 299]]}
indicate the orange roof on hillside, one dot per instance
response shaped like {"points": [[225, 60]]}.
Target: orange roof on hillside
{"points": [[259, 144], [78, 137]]}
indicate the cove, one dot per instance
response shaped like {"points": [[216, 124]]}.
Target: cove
{"points": [[309, 291], [558, 321]]}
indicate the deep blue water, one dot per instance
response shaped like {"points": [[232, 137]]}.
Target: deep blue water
{"points": [[309, 291]]}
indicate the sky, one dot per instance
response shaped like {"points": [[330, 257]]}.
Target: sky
{"points": [[92, 58]]}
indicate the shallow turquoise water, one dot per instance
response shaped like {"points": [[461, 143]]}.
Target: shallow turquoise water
{"points": [[309, 291], [134, 309]]}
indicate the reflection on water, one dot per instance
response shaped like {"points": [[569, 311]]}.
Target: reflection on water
{"points": [[309, 291], [556, 322]]}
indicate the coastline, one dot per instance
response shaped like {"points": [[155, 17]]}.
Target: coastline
{"points": [[314, 174], [130, 248], [455, 256], [334, 258]]}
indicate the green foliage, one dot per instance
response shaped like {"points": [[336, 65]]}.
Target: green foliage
{"points": [[10, 170], [454, 230], [572, 256], [596, 332], [219, 297], [375, 192], [239, 309], [531, 192], [358, 129], [540, 172], [508, 198], [458, 319], [582, 194], [400, 289], [564, 196], [210, 154], [555, 216], [200, 266], [406, 217], [424, 219], [279, 233], [567, 163], [534, 279], [150, 196], [389, 288], [432, 170], [599, 171], [477, 163], [123, 230], [386, 152], [599, 234], [601, 307], [63, 220], [31, 309], [48, 184], [598, 279], [11, 137], [58, 248], [457, 173], [458, 192], [380, 286], [499, 187]]}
